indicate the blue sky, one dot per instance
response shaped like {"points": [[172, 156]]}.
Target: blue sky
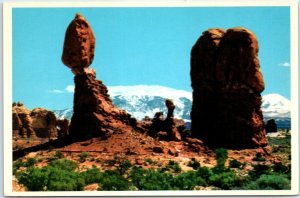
{"points": [[137, 46]]}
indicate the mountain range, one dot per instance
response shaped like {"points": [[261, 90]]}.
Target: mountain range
{"points": [[145, 100]]}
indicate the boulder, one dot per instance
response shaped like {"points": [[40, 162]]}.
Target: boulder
{"points": [[43, 123]]}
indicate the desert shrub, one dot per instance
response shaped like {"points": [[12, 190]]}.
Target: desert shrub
{"points": [[225, 180], [83, 156], [204, 172], [259, 158], [235, 164], [269, 182], [17, 164], [92, 175], [64, 164], [194, 164], [58, 154], [151, 179], [59, 175], [34, 179], [111, 180], [124, 166], [30, 162], [280, 168], [173, 166], [259, 170], [149, 161], [187, 181], [64, 180], [221, 157]]}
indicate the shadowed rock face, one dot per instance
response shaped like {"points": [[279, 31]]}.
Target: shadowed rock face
{"points": [[94, 114], [227, 82]]}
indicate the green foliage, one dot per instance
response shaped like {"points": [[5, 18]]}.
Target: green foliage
{"points": [[149, 161], [30, 162], [235, 164], [225, 180], [269, 182], [34, 179], [58, 154], [16, 165], [194, 164], [111, 180], [259, 158], [59, 175], [173, 166], [204, 172], [92, 175], [259, 170], [64, 180], [124, 166], [83, 156], [221, 156], [187, 181], [64, 164], [151, 179]]}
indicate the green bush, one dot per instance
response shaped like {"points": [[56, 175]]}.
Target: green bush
{"points": [[83, 156], [30, 162], [221, 157], [151, 179], [64, 164], [235, 164], [58, 154], [34, 179], [173, 166], [111, 180], [59, 175], [225, 180], [17, 164], [269, 182], [204, 172], [194, 164], [124, 166], [259, 170], [92, 175], [187, 181], [259, 158], [64, 180]]}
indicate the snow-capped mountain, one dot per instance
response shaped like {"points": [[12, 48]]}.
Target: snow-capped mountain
{"points": [[146, 100]]}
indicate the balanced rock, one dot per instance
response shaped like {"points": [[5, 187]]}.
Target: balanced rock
{"points": [[79, 45], [227, 82], [94, 114]]}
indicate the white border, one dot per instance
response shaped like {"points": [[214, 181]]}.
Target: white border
{"points": [[7, 101]]}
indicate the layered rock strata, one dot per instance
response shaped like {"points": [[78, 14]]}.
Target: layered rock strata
{"points": [[227, 82]]}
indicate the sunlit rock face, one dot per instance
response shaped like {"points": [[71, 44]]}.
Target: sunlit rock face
{"points": [[227, 85]]}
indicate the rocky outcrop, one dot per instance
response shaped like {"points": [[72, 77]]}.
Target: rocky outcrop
{"points": [[44, 123], [21, 121], [271, 126], [227, 82], [94, 114], [166, 129], [38, 123]]}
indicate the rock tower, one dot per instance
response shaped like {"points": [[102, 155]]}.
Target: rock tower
{"points": [[94, 114], [227, 85]]}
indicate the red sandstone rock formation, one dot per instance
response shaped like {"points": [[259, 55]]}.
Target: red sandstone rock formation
{"points": [[227, 82], [94, 114], [21, 122], [39, 122], [79, 45], [43, 123]]}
